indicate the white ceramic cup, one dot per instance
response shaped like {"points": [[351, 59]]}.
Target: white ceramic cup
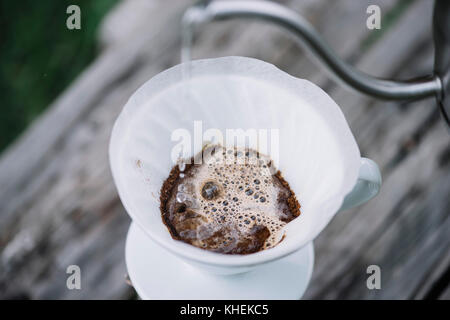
{"points": [[318, 154]]}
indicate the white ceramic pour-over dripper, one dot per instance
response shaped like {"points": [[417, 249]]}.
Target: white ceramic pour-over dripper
{"points": [[318, 154]]}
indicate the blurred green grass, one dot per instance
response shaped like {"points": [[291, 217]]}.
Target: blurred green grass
{"points": [[40, 57]]}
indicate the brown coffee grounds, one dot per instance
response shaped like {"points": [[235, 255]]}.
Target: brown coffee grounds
{"points": [[226, 225]]}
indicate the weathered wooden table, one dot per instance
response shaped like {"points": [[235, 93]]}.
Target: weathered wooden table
{"points": [[59, 206]]}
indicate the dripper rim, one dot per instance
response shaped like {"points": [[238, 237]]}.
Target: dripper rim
{"points": [[188, 251]]}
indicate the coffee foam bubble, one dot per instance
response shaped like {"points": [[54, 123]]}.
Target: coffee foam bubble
{"points": [[234, 192]]}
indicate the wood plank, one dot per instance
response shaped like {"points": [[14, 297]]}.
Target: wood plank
{"points": [[435, 284], [46, 136], [446, 294], [343, 237], [73, 189], [404, 244]]}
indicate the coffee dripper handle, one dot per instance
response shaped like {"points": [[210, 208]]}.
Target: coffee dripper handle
{"points": [[367, 186]]}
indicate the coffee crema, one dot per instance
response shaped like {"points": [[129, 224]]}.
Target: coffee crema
{"points": [[234, 202]]}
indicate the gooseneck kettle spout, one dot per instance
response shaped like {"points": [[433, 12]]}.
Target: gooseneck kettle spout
{"points": [[437, 84]]}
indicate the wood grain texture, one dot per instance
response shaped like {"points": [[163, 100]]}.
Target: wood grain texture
{"points": [[59, 206]]}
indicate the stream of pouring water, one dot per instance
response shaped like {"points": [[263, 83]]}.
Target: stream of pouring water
{"points": [[187, 35], [192, 18]]}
